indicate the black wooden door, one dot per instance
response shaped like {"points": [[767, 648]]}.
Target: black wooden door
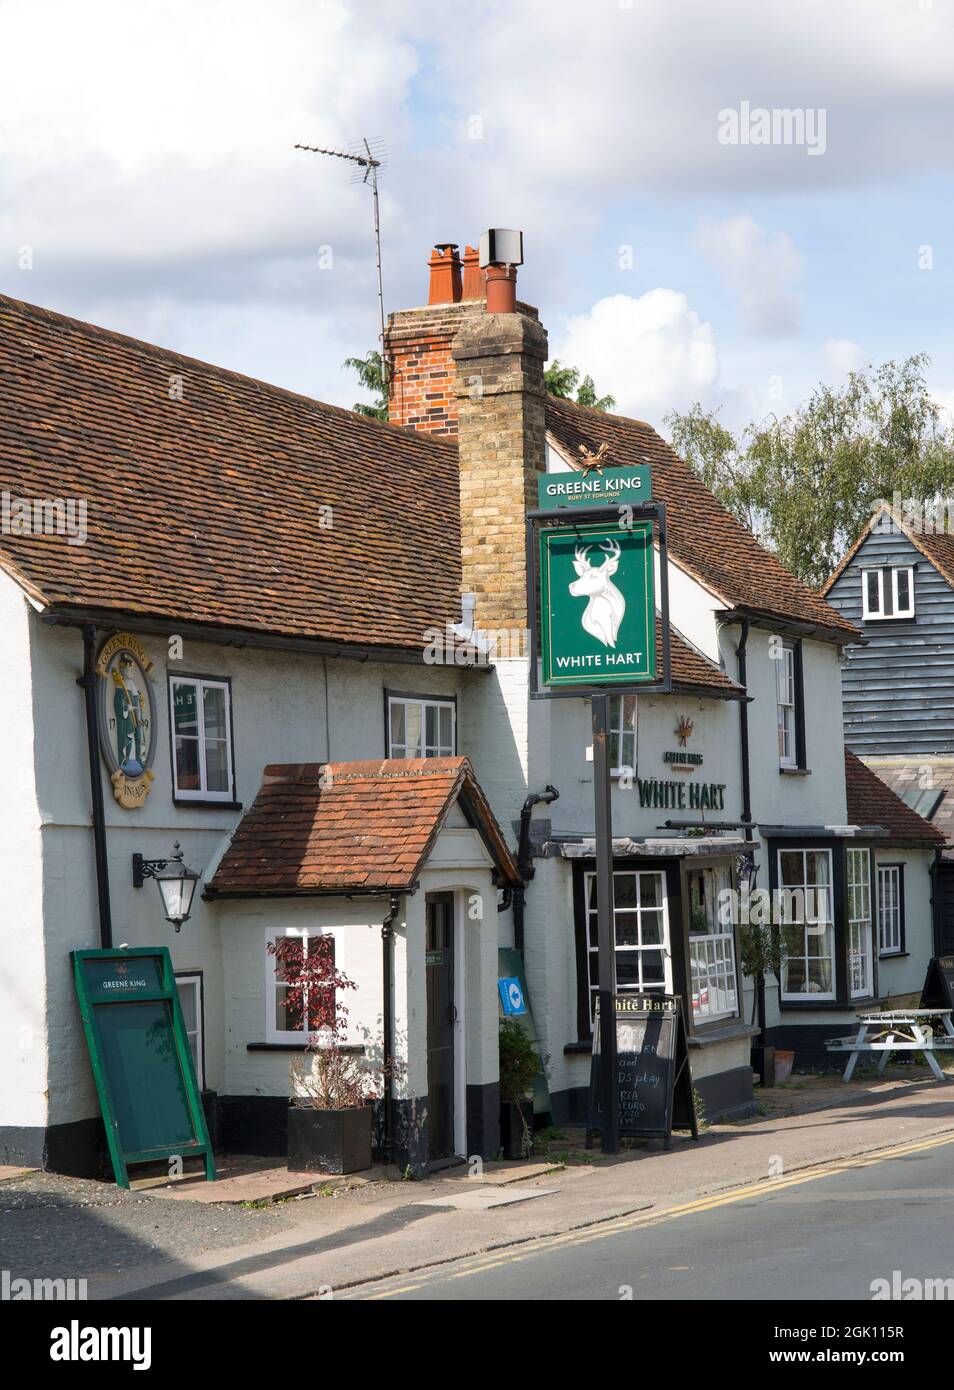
{"points": [[945, 893], [441, 1020]]}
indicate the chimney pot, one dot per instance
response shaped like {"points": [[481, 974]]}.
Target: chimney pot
{"points": [[445, 285], [475, 277], [501, 289]]}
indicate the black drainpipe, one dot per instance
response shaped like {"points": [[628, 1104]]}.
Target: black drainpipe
{"points": [[387, 936], [525, 861], [88, 684], [747, 803]]}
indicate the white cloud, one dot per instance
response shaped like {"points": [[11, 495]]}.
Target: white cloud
{"points": [[841, 357], [653, 353], [758, 269]]}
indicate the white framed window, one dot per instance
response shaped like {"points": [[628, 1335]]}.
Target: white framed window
{"points": [[890, 909], [622, 713], [787, 694], [711, 946], [810, 970], [858, 890], [421, 728], [201, 739], [887, 592], [190, 1001], [285, 1022], [643, 951]]}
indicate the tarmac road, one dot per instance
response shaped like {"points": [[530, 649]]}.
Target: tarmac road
{"points": [[828, 1235]]}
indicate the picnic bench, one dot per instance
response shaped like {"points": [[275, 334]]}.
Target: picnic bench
{"points": [[897, 1030]]}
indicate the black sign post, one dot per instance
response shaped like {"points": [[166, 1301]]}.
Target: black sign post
{"points": [[650, 1080], [605, 913]]}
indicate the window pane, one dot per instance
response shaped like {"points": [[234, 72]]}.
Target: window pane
{"points": [[627, 969], [397, 726], [430, 725], [213, 705], [187, 999], [624, 888], [187, 764], [871, 578], [185, 708], [447, 729], [652, 925], [650, 890], [654, 972], [903, 578], [412, 717], [627, 929], [217, 765], [792, 864]]}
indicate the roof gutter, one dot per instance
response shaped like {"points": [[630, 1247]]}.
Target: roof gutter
{"points": [[763, 618], [220, 635]]}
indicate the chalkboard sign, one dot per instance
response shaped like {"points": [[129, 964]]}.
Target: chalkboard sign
{"points": [[938, 991], [654, 1087], [142, 1062]]}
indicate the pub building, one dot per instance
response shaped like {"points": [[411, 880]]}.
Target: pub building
{"points": [[292, 642]]}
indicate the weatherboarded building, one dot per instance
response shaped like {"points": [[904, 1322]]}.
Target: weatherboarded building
{"points": [[301, 644]]}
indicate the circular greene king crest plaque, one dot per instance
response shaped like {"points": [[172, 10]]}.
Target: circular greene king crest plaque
{"points": [[126, 717]]}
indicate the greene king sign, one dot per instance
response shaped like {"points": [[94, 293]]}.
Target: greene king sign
{"points": [[597, 605]]}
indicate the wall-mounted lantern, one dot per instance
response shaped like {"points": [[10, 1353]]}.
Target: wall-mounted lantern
{"points": [[177, 883]]}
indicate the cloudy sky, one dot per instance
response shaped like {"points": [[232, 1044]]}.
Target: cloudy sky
{"points": [[148, 180]]}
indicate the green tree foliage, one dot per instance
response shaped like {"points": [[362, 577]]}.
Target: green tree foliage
{"points": [[371, 376], [806, 483], [563, 381]]}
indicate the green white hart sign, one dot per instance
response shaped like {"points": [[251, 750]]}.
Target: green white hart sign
{"points": [[597, 605]]}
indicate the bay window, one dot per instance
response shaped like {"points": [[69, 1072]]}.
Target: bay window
{"points": [[711, 946], [805, 880], [641, 917]]}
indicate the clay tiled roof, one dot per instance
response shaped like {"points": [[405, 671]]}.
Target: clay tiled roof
{"points": [[370, 829], [213, 508], [871, 802], [704, 538]]}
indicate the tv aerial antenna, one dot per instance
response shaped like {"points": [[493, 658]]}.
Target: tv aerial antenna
{"points": [[368, 156]]}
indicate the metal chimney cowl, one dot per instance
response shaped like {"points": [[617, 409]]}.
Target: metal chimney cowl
{"points": [[501, 246]]}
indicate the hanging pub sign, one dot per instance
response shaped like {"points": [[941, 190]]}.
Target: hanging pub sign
{"points": [[141, 1059], [938, 991], [597, 605], [653, 1082], [594, 487], [126, 717]]}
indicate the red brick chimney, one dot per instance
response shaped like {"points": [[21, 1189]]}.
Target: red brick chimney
{"points": [[419, 342]]}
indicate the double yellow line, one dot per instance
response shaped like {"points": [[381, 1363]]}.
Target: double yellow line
{"points": [[492, 1259]]}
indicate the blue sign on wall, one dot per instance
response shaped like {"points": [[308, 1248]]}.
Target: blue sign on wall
{"points": [[511, 996]]}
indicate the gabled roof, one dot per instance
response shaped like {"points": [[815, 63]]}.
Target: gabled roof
{"points": [[704, 538], [871, 802], [938, 548], [361, 827], [215, 507]]}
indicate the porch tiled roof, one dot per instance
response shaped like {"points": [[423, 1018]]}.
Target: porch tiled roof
{"points": [[704, 538], [871, 802], [352, 827]]}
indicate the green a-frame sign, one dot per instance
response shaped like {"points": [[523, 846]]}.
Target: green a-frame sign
{"points": [[141, 1059]]}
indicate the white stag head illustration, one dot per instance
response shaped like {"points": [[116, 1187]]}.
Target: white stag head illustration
{"points": [[606, 606]]}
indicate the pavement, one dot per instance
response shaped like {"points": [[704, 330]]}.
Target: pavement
{"points": [[324, 1243]]}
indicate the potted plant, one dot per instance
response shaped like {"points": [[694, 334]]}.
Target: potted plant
{"points": [[519, 1064], [329, 1113], [762, 950]]}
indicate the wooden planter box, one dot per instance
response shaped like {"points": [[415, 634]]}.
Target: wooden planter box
{"points": [[329, 1141]]}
